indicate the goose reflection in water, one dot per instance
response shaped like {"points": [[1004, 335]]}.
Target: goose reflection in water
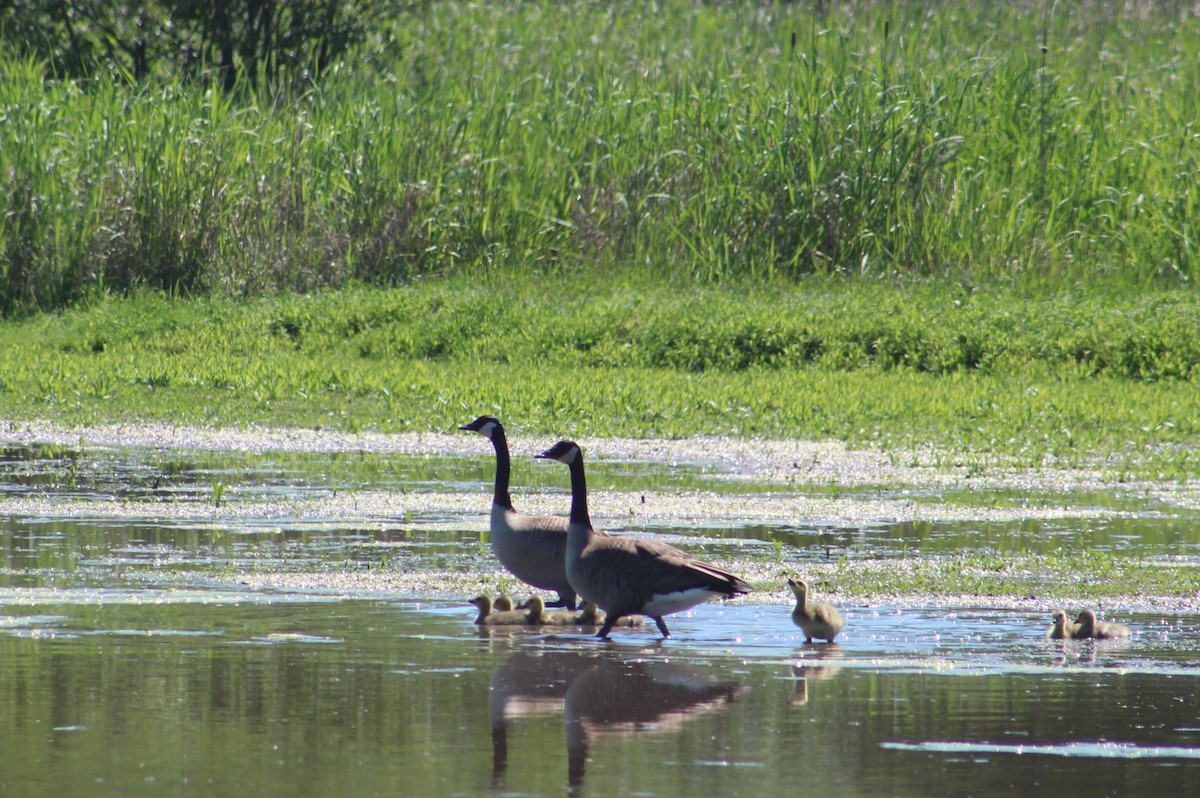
{"points": [[529, 683], [610, 692], [616, 697]]}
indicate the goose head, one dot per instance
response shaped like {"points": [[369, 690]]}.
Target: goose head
{"points": [[483, 604], [799, 588], [484, 425], [503, 603], [588, 612], [535, 605], [563, 451], [1086, 621]]}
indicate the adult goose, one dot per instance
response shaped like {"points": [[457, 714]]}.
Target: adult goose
{"points": [[630, 576], [1089, 627], [531, 547], [822, 621], [1061, 629]]}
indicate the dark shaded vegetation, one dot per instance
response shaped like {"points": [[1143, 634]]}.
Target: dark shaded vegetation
{"points": [[272, 41]]}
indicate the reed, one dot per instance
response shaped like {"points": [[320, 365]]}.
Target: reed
{"points": [[1040, 143]]}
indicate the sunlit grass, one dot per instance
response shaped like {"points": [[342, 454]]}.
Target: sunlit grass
{"points": [[1086, 380]]}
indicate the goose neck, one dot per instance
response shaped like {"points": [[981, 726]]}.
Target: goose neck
{"points": [[579, 502], [503, 469]]}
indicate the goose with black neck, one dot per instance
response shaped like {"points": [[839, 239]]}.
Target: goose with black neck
{"points": [[630, 576]]}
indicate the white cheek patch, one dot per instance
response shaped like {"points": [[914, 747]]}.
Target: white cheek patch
{"points": [[487, 429], [571, 456]]}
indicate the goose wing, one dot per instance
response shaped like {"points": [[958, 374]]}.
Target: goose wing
{"points": [[639, 570]]}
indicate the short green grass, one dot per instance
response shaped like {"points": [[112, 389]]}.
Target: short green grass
{"points": [[1073, 379], [702, 141]]}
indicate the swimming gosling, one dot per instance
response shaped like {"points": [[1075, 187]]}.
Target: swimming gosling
{"points": [[531, 547], [1089, 627], [487, 617], [816, 620], [1062, 629], [536, 614], [588, 615], [591, 615], [632, 576]]}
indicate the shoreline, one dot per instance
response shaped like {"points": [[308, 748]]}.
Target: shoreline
{"points": [[888, 493]]}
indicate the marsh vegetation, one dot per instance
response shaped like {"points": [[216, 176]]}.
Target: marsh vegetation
{"points": [[697, 141], [894, 224], [923, 271]]}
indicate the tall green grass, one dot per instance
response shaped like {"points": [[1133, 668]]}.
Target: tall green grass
{"points": [[1041, 141]]}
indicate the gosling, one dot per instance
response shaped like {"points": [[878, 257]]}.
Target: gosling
{"points": [[1062, 629], [591, 615], [822, 621], [487, 617], [588, 615], [1089, 627], [537, 615]]}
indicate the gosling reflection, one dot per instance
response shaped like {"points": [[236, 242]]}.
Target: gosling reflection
{"points": [[614, 697], [813, 666], [529, 683]]}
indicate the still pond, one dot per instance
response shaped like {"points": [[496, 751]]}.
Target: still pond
{"points": [[143, 653]]}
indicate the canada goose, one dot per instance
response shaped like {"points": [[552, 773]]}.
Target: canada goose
{"points": [[503, 603], [816, 620], [1062, 629], [487, 617], [630, 576], [531, 547], [1101, 630]]}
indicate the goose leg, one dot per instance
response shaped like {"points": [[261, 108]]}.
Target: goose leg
{"points": [[662, 626], [608, 625], [566, 600]]}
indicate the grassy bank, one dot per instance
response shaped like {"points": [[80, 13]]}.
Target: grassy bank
{"points": [[1064, 379], [698, 141]]}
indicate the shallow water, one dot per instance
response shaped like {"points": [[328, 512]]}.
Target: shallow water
{"points": [[133, 662], [115, 693]]}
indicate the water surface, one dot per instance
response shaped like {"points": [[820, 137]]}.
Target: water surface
{"points": [[134, 662]]}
